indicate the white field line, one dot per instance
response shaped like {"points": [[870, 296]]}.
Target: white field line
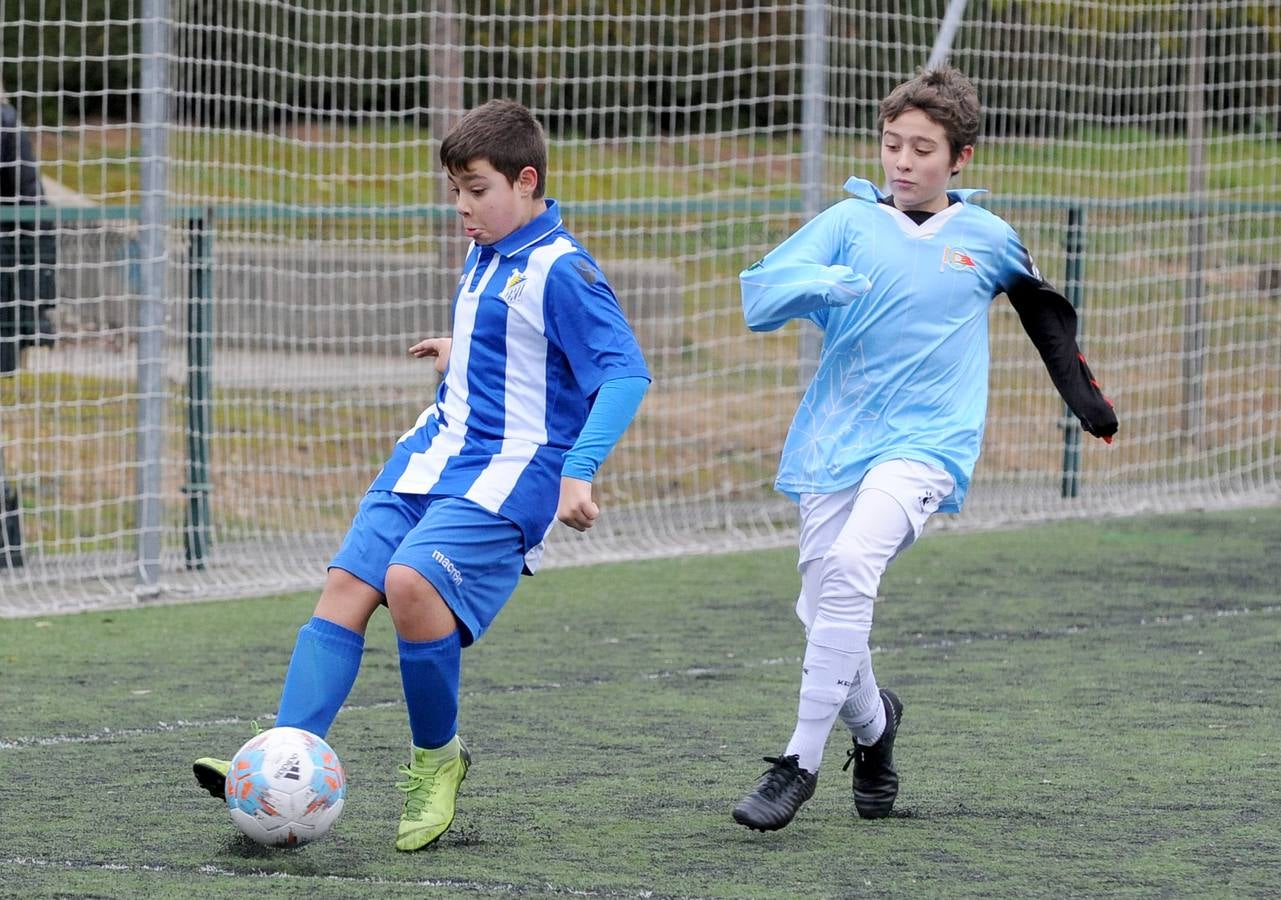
{"points": [[110, 734], [477, 887]]}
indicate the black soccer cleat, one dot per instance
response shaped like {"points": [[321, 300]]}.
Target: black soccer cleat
{"points": [[778, 794], [875, 778]]}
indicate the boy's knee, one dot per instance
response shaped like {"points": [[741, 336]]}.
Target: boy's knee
{"points": [[405, 586], [849, 571], [846, 626], [818, 700], [418, 611]]}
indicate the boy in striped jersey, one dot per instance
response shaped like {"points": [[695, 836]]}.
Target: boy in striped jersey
{"points": [[542, 375]]}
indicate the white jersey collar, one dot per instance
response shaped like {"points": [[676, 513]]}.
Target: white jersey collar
{"points": [[863, 189]]}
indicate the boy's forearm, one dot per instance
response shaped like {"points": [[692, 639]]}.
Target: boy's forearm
{"points": [[615, 406], [1050, 321], [775, 293]]}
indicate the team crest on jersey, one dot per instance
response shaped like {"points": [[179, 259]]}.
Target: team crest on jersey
{"points": [[510, 294], [959, 259]]}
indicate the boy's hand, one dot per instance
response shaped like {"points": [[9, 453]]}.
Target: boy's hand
{"points": [[434, 347], [576, 508]]}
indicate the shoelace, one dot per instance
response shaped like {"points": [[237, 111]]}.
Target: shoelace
{"points": [[417, 781], [858, 754], [781, 773]]}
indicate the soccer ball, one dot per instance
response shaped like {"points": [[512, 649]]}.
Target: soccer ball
{"points": [[285, 787]]}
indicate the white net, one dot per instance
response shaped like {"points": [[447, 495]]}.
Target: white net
{"points": [[249, 227]]}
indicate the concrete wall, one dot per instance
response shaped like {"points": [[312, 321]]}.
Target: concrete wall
{"points": [[312, 295]]}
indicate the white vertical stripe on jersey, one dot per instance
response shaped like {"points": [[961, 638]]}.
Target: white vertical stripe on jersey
{"points": [[422, 420], [424, 469], [525, 383]]}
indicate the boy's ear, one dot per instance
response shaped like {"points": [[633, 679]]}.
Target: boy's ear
{"points": [[527, 181], [962, 159]]}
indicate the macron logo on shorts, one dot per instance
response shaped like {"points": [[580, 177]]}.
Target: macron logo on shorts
{"points": [[448, 565]]}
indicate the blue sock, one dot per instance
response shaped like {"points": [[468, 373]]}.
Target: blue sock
{"points": [[429, 671], [321, 672]]}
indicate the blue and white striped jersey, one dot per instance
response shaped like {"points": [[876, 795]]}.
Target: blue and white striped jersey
{"points": [[903, 372], [537, 330]]}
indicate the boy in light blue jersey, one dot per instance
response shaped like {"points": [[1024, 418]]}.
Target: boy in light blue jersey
{"points": [[889, 430], [542, 375]]}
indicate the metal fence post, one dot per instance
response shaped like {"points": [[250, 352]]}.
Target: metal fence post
{"points": [[199, 401], [1073, 290], [152, 236], [813, 132]]}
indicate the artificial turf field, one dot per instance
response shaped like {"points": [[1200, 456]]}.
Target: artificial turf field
{"points": [[1092, 709]]}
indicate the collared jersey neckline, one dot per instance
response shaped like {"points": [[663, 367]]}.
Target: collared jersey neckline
{"points": [[531, 232]]}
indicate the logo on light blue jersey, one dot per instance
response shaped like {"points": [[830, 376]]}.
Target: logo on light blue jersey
{"points": [[959, 259]]}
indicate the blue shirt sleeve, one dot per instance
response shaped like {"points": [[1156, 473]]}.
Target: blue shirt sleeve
{"points": [[803, 276], [616, 404], [585, 321]]}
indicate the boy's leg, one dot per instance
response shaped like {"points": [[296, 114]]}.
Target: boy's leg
{"points": [[838, 661], [877, 531], [429, 644], [445, 585], [322, 669], [327, 654], [789, 782], [837, 674], [896, 497], [328, 648]]}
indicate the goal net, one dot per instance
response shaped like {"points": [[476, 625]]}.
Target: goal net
{"points": [[242, 226]]}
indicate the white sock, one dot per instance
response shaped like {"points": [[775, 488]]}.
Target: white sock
{"points": [[826, 678], [864, 712]]}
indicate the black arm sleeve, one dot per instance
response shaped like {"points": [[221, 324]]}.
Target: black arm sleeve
{"points": [[19, 174], [1050, 321], [9, 161]]}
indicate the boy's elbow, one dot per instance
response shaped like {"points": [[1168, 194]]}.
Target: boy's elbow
{"points": [[759, 326], [756, 313], [756, 321]]}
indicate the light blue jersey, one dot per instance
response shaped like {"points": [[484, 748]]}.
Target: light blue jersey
{"points": [[903, 372], [537, 331]]}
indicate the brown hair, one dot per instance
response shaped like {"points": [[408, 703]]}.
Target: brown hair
{"points": [[943, 94], [503, 133]]}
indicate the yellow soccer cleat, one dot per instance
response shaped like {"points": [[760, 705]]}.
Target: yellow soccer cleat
{"points": [[431, 789], [211, 774]]}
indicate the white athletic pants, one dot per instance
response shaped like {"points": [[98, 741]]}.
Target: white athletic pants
{"points": [[850, 537]]}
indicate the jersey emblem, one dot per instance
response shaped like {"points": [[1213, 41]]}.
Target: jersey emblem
{"points": [[511, 291], [959, 259]]}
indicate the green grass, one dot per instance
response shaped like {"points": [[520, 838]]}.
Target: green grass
{"points": [[1091, 709], [396, 165]]}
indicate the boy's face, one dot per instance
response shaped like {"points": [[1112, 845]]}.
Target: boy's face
{"points": [[918, 161], [491, 207]]}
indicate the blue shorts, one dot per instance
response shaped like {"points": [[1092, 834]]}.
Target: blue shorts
{"points": [[472, 557]]}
